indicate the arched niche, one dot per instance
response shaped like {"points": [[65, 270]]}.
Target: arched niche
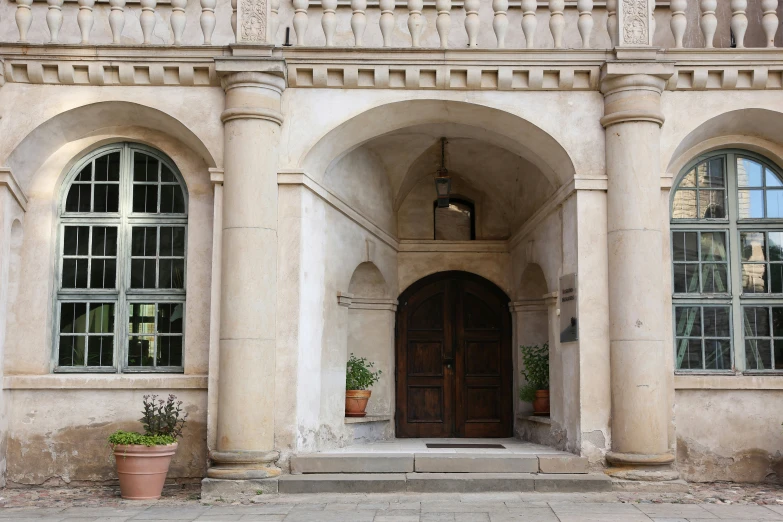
{"points": [[371, 331]]}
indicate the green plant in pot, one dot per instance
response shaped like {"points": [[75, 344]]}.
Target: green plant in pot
{"points": [[143, 459], [359, 376], [535, 360]]}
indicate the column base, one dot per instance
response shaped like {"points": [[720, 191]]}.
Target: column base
{"points": [[221, 490], [243, 465], [640, 467]]}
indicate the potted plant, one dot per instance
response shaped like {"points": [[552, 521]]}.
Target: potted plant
{"points": [[358, 377], [536, 372], [143, 459]]}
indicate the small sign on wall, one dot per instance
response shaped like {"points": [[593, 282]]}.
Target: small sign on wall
{"points": [[569, 315]]}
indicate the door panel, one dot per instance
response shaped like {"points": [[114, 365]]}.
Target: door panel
{"points": [[454, 359]]}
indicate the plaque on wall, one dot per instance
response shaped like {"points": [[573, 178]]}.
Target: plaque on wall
{"points": [[569, 315]]}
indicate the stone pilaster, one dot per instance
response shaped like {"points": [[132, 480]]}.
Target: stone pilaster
{"points": [[246, 389], [637, 330]]}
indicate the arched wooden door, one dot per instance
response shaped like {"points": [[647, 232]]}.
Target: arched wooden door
{"points": [[453, 350]]}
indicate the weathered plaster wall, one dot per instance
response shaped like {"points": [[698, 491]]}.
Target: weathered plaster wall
{"points": [[58, 437], [732, 435]]}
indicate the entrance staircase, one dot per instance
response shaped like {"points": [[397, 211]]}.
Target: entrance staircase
{"points": [[408, 465]]}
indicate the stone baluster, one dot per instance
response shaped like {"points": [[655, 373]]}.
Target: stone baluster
{"points": [[24, 18], [117, 20], [274, 21], [358, 21], [54, 19], [709, 22], [178, 19], [500, 21], [300, 20], [585, 23], [739, 21], [443, 23], [770, 20], [678, 22], [557, 21], [387, 21], [234, 19], [329, 21], [612, 24], [529, 22], [472, 21], [207, 20], [415, 21], [147, 19], [85, 19]]}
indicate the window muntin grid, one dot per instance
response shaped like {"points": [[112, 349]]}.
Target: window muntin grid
{"points": [[95, 258], [156, 334], [753, 257]]}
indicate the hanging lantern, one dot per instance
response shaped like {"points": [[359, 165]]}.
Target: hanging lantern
{"points": [[442, 178]]}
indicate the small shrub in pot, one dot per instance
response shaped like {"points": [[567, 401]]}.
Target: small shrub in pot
{"points": [[359, 376], [535, 360]]}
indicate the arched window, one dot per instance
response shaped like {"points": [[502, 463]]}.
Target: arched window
{"points": [[122, 239], [727, 255], [456, 222]]}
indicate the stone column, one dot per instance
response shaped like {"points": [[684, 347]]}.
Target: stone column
{"points": [[246, 389], [216, 176], [637, 329]]}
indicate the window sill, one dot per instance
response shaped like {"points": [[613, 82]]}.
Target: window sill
{"points": [[538, 419], [728, 382], [112, 381], [367, 419]]}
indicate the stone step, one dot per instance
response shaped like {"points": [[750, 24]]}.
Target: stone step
{"points": [[443, 482], [437, 463]]}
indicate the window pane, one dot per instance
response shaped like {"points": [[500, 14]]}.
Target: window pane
{"points": [[758, 354], [107, 197], [178, 241], [775, 246], [754, 278], [100, 350], [688, 321], [144, 240], [141, 351], [171, 200], [749, 173], [684, 205], [717, 354], [453, 223], [101, 317], [74, 273], [685, 246], [75, 241], [145, 198], [774, 203], [688, 180], [78, 199], [777, 321], [714, 278], [104, 241], [85, 174], [686, 278], [753, 246], [145, 168], [716, 321], [713, 177], [776, 278], [143, 273], [689, 354], [773, 180], [107, 167], [711, 204], [65, 355], [756, 321], [73, 317], [713, 246], [751, 203]]}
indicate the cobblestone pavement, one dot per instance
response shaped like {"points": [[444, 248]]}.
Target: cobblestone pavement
{"points": [[704, 502]]}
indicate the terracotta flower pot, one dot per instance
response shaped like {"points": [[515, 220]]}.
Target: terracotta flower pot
{"points": [[356, 402], [142, 470], [541, 403]]}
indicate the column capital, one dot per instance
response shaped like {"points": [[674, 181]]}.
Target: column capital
{"points": [[253, 88], [632, 91]]}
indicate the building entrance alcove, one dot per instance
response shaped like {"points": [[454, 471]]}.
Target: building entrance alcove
{"points": [[454, 369]]}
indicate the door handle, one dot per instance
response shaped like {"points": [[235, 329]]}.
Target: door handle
{"points": [[448, 363]]}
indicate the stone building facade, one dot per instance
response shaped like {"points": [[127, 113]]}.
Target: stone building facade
{"points": [[227, 218]]}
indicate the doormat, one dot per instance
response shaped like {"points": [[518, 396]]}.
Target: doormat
{"points": [[468, 446]]}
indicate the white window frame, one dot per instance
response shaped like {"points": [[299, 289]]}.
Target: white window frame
{"points": [[733, 226], [122, 296]]}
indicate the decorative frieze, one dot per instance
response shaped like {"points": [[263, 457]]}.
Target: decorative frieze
{"points": [[252, 21], [109, 73], [455, 77], [635, 22]]}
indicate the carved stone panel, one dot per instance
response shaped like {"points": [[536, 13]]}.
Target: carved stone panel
{"points": [[252, 21], [635, 21]]}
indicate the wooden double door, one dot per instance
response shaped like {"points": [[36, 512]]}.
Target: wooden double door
{"points": [[454, 369]]}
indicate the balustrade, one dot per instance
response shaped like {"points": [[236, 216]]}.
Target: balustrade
{"points": [[571, 23]]}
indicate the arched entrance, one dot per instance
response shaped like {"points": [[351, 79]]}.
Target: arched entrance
{"points": [[453, 358]]}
